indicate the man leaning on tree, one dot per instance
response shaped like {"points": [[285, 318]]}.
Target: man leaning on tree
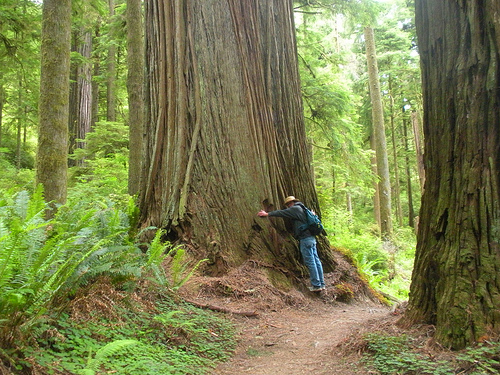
{"points": [[307, 241]]}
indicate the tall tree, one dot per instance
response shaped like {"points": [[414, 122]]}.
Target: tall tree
{"points": [[411, 210], [52, 152], [135, 83], [80, 116], [417, 134], [225, 133], [397, 188], [384, 184], [111, 71], [456, 280]]}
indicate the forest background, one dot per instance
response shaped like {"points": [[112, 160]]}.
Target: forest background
{"points": [[338, 114], [337, 110]]}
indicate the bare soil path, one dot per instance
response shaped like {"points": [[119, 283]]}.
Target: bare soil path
{"points": [[301, 340]]}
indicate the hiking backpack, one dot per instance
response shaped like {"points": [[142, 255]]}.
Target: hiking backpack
{"points": [[313, 223]]}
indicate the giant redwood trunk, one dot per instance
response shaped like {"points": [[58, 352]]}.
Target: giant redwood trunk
{"points": [[225, 133], [456, 280]]}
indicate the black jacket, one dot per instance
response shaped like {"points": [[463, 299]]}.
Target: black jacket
{"points": [[298, 217]]}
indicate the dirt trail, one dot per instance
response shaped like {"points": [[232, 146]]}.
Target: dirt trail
{"points": [[300, 340]]}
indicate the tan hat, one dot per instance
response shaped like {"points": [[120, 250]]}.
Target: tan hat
{"points": [[289, 199]]}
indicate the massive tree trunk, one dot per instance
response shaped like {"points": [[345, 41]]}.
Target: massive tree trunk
{"points": [[226, 133], [135, 83], [384, 185], [52, 166], [456, 280]]}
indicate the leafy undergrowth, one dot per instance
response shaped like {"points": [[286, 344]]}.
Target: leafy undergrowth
{"points": [[387, 349], [105, 330], [403, 355]]}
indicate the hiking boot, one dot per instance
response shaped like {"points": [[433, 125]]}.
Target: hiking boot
{"points": [[316, 288]]}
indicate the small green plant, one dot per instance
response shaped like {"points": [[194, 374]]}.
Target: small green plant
{"points": [[179, 268], [370, 269], [481, 359], [101, 356], [169, 338], [179, 273], [393, 355]]}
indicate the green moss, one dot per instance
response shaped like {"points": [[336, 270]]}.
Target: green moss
{"points": [[278, 279]]}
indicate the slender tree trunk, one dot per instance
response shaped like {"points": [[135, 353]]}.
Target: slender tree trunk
{"points": [[135, 85], [379, 136], [456, 280], [349, 201], [417, 134], [52, 152], [80, 122], [73, 100], [376, 185], [226, 134], [397, 188], [19, 121], [2, 101], [111, 73], [411, 210], [96, 69], [85, 91]]}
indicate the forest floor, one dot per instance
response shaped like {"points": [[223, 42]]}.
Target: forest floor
{"points": [[294, 332], [306, 340]]}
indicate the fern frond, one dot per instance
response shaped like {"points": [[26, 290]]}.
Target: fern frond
{"points": [[63, 272], [168, 317], [36, 203], [178, 265], [156, 251], [159, 275], [6, 264], [106, 351], [189, 275]]}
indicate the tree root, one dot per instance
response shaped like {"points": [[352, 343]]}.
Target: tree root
{"points": [[221, 309]]}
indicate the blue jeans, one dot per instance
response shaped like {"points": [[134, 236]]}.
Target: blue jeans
{"points": [[311, 260]]}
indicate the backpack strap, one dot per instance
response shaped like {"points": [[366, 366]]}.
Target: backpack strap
{"points": [[303, 226]]}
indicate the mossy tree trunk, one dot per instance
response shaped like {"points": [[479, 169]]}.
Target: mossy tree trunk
{"points": [[379, 139], [135, 89], [456, 280], [52, 166], [225, 131]]}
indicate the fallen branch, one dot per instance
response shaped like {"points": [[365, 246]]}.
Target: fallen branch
{"points": [[221, 309]]}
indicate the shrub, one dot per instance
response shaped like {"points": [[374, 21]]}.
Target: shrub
{"points": [[41, 260]]}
